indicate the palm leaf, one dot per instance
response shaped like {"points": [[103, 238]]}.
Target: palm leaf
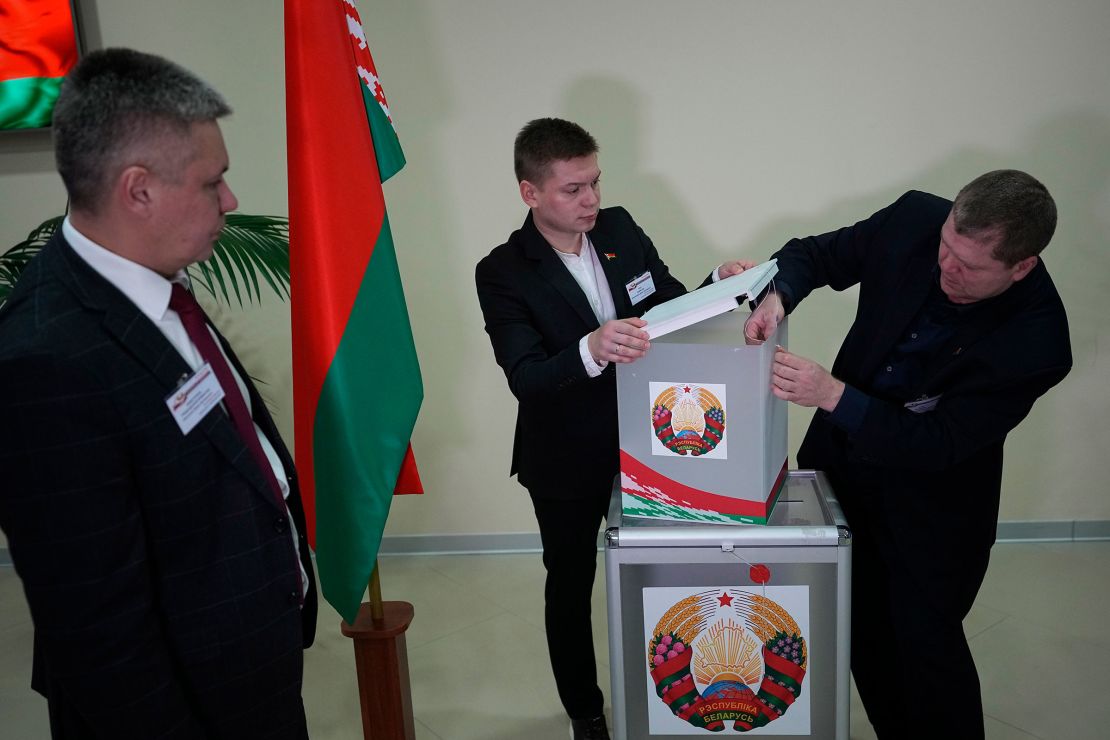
{"points": [[15, 259], [249, 248]]}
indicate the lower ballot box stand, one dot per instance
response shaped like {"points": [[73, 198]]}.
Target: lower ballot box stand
{"points": [[718, 628]]}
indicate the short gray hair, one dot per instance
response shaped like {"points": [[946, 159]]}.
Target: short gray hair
{"points": [[115, 100], [1013, 203]]}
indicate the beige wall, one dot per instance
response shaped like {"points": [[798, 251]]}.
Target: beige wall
{"points": [[726, 126]]}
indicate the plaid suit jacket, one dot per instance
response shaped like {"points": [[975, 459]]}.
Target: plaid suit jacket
{"points": [[159, 569]]}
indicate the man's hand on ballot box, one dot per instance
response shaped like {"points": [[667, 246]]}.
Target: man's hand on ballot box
{"points": [[799, 380], [734, 267], [620, 340], [765, 319]]}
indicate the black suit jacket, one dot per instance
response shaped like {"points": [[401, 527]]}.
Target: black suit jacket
{"points": [[535, 314], [159, 568], [933, 479]]}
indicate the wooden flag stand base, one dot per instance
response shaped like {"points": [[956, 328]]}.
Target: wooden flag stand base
{"points": [[382, 665]]}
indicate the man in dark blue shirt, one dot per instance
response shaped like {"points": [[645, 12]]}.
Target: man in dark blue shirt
{"points": [[958, 331]]}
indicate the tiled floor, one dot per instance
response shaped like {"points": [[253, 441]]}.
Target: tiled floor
{"points": [[1040, 633]]}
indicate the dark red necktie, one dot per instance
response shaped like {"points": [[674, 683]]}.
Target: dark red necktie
{"points": [[195, 322], [196, 325]]}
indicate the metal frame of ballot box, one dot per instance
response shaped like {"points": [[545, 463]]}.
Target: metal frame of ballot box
{"points": [[732, 630]]}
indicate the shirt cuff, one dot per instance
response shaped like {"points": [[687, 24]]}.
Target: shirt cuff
{"points": [[717, 273], [850, 410], [593, 369]]}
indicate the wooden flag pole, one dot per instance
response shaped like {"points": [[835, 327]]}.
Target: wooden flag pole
{"points": [[382, 665], [377, 611]]}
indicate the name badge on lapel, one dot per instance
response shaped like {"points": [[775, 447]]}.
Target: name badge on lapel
{"points": [[640, 287], [194, 398], [923, 404]]}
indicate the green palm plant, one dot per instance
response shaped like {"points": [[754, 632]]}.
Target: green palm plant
{"points": [[251, 251]]}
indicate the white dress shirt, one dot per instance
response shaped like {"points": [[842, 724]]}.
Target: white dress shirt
{"points": [[586, 270]]}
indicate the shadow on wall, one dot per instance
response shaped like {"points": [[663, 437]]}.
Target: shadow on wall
{"points": [[433, 272], [612, 111], [1069, 153], [26, 152], [655, 200]]}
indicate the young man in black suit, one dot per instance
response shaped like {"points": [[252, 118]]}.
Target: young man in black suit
{"points": [[150, 505], [959, 330], [561, 300]]}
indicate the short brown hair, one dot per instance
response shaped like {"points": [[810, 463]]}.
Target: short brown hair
{"points": [[1012, 203], [547, 140]]}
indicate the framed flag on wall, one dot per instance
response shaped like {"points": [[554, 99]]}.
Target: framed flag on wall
{"points": [[39, 44]]}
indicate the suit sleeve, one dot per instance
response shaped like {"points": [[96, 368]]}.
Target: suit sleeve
{"points": [[667, 286], [532, 365], [838, 259], [76, 534], [978, 403]]}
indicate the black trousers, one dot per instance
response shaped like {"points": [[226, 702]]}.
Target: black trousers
{"points": [[910, 658], [568, 530]]}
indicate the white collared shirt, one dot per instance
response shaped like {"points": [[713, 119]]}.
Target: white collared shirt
{"points": [[587, 271]]}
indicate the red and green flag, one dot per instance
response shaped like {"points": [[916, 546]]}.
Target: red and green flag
{"points": [[356, 379], [38, 47]]}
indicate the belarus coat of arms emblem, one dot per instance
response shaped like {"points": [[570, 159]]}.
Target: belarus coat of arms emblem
{"points": [[688, 419], [727, 655]]}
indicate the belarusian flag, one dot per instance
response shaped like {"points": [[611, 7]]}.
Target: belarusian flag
{"points": [[38, 47], [356, 380]]}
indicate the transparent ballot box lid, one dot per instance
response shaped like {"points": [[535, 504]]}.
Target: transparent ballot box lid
{"points": [[807, 513]]}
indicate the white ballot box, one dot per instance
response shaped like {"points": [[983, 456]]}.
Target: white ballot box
{"points": [[702, 438]]}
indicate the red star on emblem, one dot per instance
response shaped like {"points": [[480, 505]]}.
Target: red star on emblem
{"points": [[725, 599], [686, 389]]}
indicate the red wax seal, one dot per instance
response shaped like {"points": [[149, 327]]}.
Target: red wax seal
{"points": [[759, 573]]}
